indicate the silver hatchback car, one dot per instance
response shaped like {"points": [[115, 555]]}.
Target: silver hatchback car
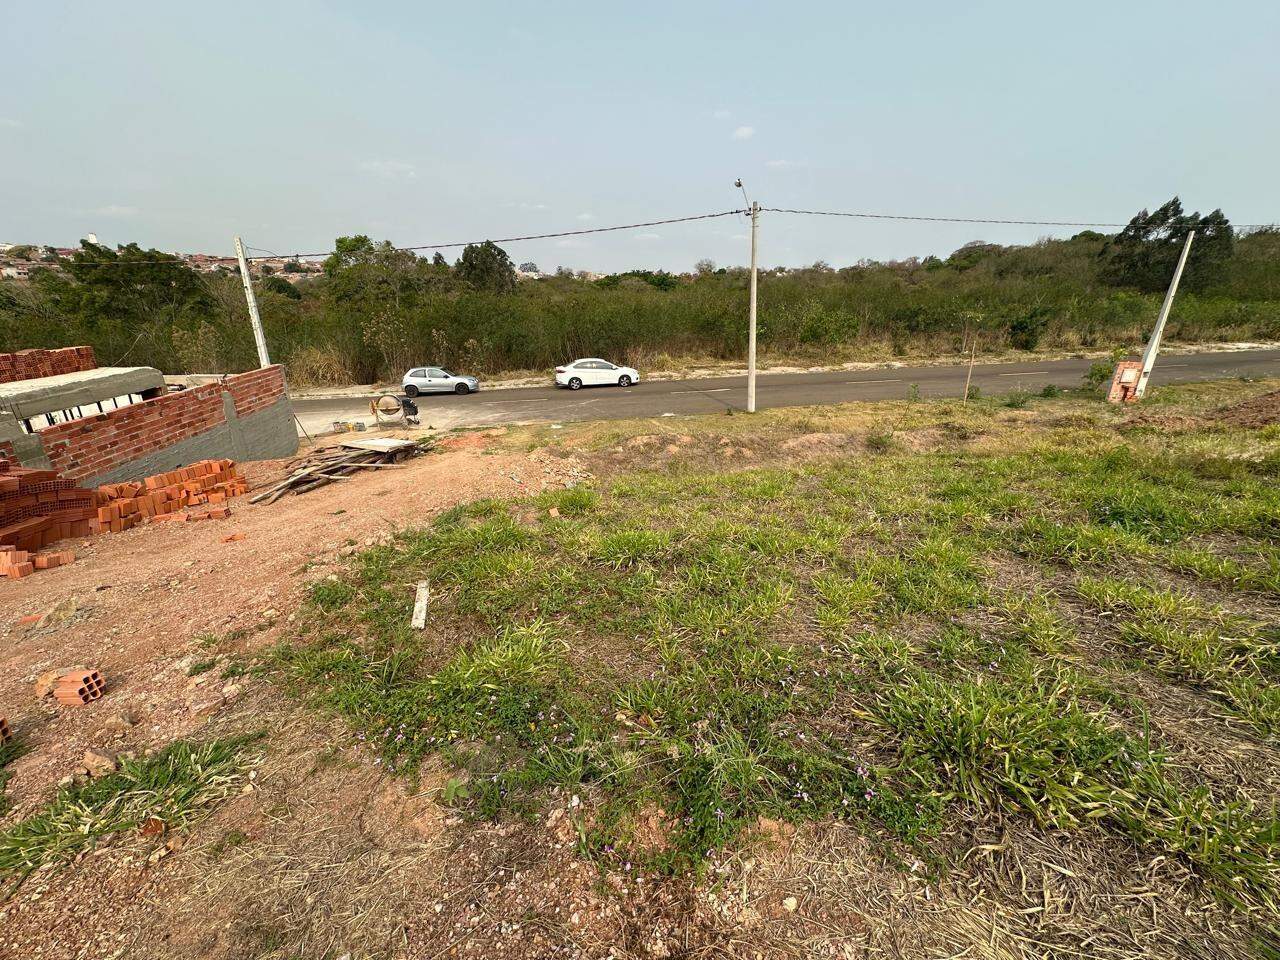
{"points": [[437, 380]]}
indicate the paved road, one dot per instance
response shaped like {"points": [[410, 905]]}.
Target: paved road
{"points": [[684, 397]]}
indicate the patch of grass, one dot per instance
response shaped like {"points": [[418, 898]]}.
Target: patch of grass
{"points": [[880, 441], [1180, 637], [1031, 745], [173, 786], [843, 639], [198, 667]]}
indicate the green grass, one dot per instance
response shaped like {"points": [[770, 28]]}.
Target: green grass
{"points": [[173, 786], [832, 640]]}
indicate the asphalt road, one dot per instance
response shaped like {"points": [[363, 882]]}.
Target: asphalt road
{"points": [[685, 397]]}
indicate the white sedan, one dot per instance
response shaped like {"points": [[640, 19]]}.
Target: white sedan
{"points": [[594, 372]]}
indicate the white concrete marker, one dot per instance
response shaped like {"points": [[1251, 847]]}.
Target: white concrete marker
{"points": [[420, 601]]}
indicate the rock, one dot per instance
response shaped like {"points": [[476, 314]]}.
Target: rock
{"points": [[98, 764], [200, 708], [789, 904], [119, 722], [231, 691]]}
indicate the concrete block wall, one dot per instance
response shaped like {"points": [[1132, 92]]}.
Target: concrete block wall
{"points": [[246, 416], [31, 364]]}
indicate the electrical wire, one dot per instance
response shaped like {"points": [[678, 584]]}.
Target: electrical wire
{"points": [[432, 246], [534, 236], [656, 223], [1028, 223]]}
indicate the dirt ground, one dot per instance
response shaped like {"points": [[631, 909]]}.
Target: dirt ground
{"points": [[143, 605]]}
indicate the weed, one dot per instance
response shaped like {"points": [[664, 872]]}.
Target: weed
{"points": [[173, 786], [198, 667], [880, 441]]}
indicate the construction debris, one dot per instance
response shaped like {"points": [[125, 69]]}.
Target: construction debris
{"points": [[165, 495], [79, 687], [420, 601], [331, 464]]}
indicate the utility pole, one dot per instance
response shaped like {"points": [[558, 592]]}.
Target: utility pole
{"points": [[258, 337], [1153, 345], [751, 331]]}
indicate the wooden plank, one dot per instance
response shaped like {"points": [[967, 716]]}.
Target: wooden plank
{"points": [[420, 601]]}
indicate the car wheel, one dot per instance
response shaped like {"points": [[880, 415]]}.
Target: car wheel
{"points": [[462, 389], [624, 381], [575, 383], [410, 390]]}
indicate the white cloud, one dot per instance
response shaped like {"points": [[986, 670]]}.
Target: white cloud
{"points": [[570, 242], [781, 164], [389, 169], [115, 210], [648, 236], [10, 123], [738, 236], [586, 216], [721, 114], [743, 133], [526, 205]]}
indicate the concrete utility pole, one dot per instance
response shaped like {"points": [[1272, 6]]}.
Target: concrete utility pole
{"points": [[258, 337], [1153, 345], [751, 331]]}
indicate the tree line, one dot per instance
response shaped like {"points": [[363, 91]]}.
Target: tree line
{"points": [[375, 310]]}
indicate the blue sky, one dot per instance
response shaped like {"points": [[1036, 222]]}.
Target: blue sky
{"points": [[179, 125]]}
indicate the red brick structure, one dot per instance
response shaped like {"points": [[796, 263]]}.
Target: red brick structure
{"points": [[92, 446], [49, 424], [31, 364]]}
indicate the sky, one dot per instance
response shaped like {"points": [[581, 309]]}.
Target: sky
{"points": [[179, 126]]}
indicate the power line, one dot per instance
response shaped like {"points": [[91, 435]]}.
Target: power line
{"points": [[654, 223], [1029, 223], [432, 246], [534, 236]]}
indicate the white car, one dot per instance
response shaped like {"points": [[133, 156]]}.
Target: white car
{"points": [[437, 380], [594, 372]]}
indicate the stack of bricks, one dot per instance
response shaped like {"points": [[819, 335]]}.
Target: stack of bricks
{"points": [[39, 508], [32, 364], [165, 496]]}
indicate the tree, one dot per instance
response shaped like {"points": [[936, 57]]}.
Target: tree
{"points": [[529, 267], [486, 266], [705, 267], [438, 260], [281, 286], [1145, 253]]}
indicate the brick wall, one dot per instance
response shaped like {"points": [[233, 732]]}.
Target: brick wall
{"points": [[256, 389], [30, 364], [92, 446]]}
